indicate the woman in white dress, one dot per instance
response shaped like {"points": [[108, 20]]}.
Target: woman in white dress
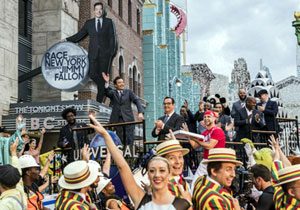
{"points": [[158, 173]]}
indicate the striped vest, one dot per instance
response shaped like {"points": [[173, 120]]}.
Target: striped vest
{"points": [[71, 200], [283, 201], [208, 195], [173, 186]]}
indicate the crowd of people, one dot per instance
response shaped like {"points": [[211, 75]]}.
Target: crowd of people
{"points": [[85, 184]]}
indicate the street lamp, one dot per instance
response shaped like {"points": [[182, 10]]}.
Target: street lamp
{"points": [[177, 82]]}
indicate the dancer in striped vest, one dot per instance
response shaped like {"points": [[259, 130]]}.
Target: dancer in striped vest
{"points": [[287, 181], [76, 181], [210, 192], [174, 152]]}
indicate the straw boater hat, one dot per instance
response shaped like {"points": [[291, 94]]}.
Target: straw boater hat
{"points": [[288, 174], [170, 146], [222, 155], [77, 175]]}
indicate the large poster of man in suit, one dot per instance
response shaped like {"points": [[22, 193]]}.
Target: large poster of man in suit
{"points": [[102, 45]]}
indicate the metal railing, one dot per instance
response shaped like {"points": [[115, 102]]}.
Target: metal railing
{"points": [[288, 134]]}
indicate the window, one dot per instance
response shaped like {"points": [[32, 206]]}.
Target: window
{"points": [[138, 21], [130, 79], [121, 67], [109, 2], [139, 85], [23, 17], [129, 13], [135, 85], [121, 8]]}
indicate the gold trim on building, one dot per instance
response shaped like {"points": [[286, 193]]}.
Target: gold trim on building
{"points": [[147, 32], [163, 46]]}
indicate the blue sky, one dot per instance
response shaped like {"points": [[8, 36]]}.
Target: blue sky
{"points": [[221, 31]]}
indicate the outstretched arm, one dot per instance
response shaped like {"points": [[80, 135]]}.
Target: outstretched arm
{"points": [[134, 191], [39, 147], [107, 163]]}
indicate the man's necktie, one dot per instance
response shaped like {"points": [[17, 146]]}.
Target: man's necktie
{"points": [[120, 94], [166, 118], [98, 25]]}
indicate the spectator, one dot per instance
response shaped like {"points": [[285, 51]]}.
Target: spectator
{"points": [[34, 150], [210, 191], [240, 103], [30, 174], [158, 173], [262, 182], [108, 197], [170, 120], [188, 116], [43, 181], [224, 121], [207, 106], [247, 119], [199, 117], [11, 187], [270, 110]]}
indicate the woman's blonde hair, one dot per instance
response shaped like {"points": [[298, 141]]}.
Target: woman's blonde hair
{"points": [[159, 158]]}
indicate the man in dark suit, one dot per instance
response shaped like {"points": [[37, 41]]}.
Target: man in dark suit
{"points": [[102, 46], [240, 103], [71, 140], [170, 120], [121, 99], [247, 119], [270, 110]]}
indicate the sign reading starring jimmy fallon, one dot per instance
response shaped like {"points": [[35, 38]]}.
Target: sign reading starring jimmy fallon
{"points": [[65, 66]]}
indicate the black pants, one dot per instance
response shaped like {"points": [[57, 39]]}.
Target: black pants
{"points": [[129, 129], [96, 67]]}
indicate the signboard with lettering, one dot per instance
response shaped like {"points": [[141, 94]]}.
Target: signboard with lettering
{"points": [[65, 66], [48, 114]]}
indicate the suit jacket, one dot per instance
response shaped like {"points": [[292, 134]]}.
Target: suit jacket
{"points": [[174, 123], [66, 133], [235, 107], [243, 125], [101, 43], [270, 112], [121, 107]]}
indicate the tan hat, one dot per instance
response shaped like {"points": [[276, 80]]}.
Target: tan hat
{"points": [[170, 146], [222, 155], [77, 175], [288, 174]]}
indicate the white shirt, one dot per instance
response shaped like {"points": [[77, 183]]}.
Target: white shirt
{"points": [[96, 21], [249, 112], [153, 206]]}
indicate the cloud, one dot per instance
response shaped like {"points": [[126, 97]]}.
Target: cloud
{"points": [[220, 32]]}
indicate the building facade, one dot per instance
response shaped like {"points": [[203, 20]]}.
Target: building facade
{"points": [[161, 52], [38, 24], [289, 95]]}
